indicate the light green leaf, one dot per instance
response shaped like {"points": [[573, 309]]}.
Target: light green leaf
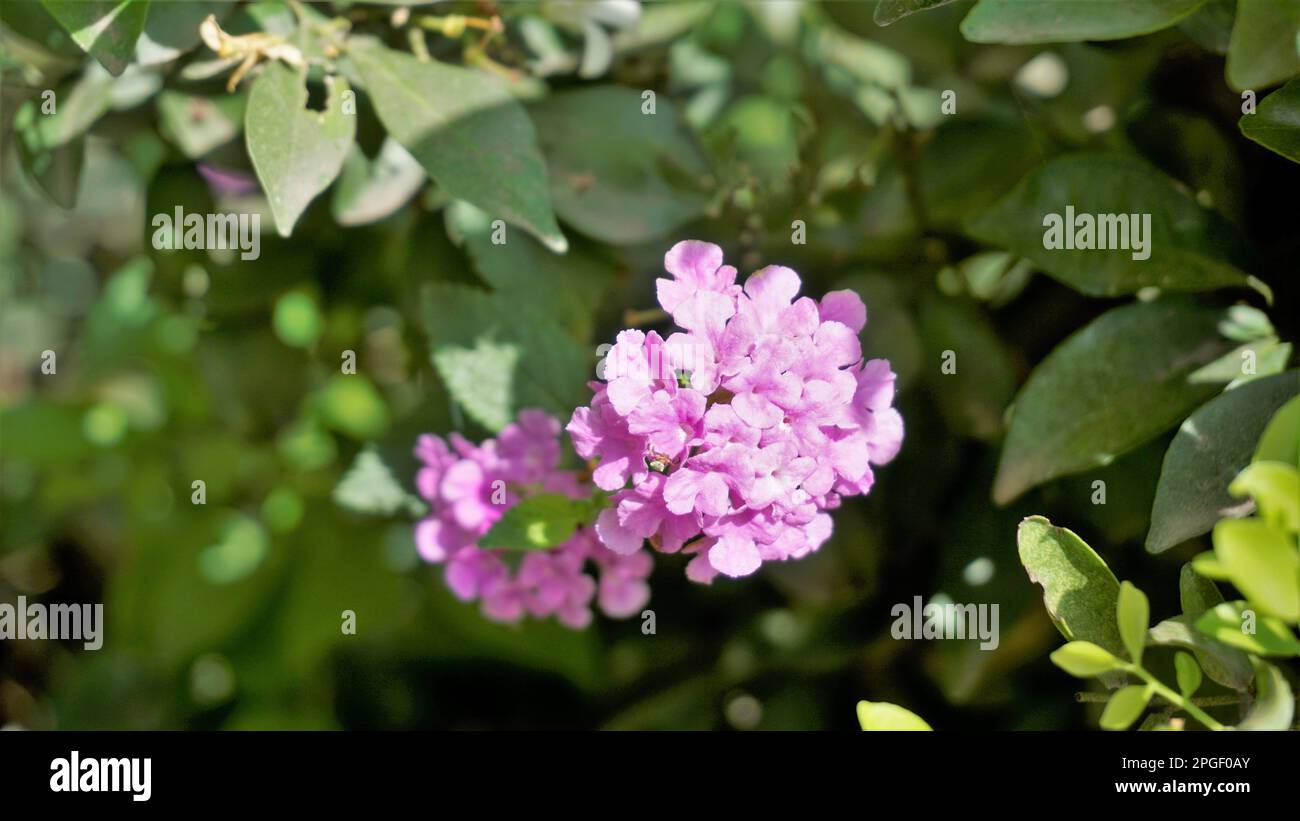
{"points": [[888, 11], [1190, 248], [105, 29], [1235, 624], [1083, 659], [1263, 563], [1017, 21], [632, 179], [296, 151], [539, 522], [1188, 673], [1262, 50], [370, 190], [1275, 124], [1211, 448], [881, 715], [1274, 707], [198, 124], [1280, 441], [472, 137], [1227, 665], [1275, 487], [1250, 361], [369, 487], [1125, 706], [1111, 386], [1133, 615], [1079, 591], [497, 355]]}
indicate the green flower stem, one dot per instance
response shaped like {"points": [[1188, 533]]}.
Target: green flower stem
{"points": [[1174, 698]]}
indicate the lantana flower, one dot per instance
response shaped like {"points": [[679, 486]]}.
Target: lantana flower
{"points": [[732, 438], [470, 487]]}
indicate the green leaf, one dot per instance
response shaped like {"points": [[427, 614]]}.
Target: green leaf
{"points": [[888, 11], [1188, 673], [1133, 615], [1235, 624], [632, 179], [173, 28], [1274, 707], [370, 190], [1263, 46], [296, 151], [498, 356], [369, 487], [1083, 659], [1275, 487], [56, 172], [539, 522], [77, 107], [1210, 26], [198, 124], [105, 29], [468, 132], [1275, 124], [1111, 386], [1280, 441], [881, 715], [1015, 21], [568, 288], [1079, 591], [1125, 706], [1190, 248], [1227, 665], [1263, 563], [1211, 448]]}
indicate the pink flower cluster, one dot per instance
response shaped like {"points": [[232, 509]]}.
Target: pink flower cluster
{"points": [[739, 432], [469, 487]]}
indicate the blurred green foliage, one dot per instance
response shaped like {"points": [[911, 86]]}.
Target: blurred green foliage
{"points": [[172, 366]]}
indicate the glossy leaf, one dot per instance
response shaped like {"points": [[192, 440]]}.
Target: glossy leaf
{"points": [[1212, 446], [1015, 21], [1275, 123], [1182, 247], [1111, 386]]}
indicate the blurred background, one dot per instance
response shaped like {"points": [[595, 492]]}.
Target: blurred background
{"points": [[176, 365]]}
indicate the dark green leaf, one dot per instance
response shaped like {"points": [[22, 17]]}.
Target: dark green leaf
{"points": [[1189, 247], [470, 135], [1105, 390], [1263, 46], [198, 124], [1017, 21], [1225, 664], [633, 178], [973, 397], [1276, 122], [1211, 447]]}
